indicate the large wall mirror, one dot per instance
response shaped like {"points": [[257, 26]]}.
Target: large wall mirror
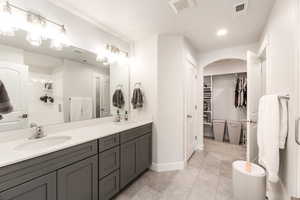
{"points": [[46, 86]]}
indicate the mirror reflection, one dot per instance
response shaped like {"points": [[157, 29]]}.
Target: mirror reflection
{"points": [[44, 86]]}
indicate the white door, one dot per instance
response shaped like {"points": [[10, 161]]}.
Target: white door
{"points": [[254, 77], [190, 103], [101, 96], [15, 78]]}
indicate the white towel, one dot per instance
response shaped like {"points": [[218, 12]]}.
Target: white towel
{"points": [[87, 108], [271, 133], [75, 109], [283, 123]]}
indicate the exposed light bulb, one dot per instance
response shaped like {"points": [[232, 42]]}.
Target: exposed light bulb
{"points": [[60, 39], [35, 30], [222, 32], [7, 21]]}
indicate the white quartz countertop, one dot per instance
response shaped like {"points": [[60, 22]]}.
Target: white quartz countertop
{"points": [[10, 155]]}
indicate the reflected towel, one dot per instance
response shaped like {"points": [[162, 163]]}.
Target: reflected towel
{"points": [[118, 98], [87, 108], [75, 109], [5, 105]]}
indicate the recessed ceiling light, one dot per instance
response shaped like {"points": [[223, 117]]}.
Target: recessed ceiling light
{"points": [[222, 32]]}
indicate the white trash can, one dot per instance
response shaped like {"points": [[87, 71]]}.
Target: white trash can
{"points": [[234, 131], [218, 129], [248, 185]]}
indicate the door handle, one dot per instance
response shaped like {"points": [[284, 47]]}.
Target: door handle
{"points": [[189, 116], [23, 116], [250, 121], [297, 131]]}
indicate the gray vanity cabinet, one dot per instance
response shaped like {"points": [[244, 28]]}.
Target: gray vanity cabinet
{"points": [[136, 153], [78, 181], [143, 153], [128, 163], [95, 170], [109, 186], [42, 188]]}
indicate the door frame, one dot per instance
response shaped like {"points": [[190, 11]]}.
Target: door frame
{"points": [[262, 54], [21, 122], [194, 114]]}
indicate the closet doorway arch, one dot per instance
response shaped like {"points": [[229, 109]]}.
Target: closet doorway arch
{"points": [[214, 62]]}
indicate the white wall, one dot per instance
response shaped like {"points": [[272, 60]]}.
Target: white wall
{"points": [[144, 70], [159, 66], [280, 37], [119, 75], [228, 66], [40, 112], [238, 52], [223, 99], [170, 81], [10, 54]]}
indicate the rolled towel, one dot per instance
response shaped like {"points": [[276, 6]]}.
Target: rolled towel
{"points": [[5, 105]]}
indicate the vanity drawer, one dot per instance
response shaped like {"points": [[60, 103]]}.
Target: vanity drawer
{"points": [[109, 142], [109, 161], [109, 186], [135, 133], [18, 173]]}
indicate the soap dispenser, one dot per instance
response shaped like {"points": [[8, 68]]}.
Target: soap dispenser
{"points": [[118, 116], [126, 115]]}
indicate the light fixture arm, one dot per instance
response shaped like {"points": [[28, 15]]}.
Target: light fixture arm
{"points": [[28, 12]]}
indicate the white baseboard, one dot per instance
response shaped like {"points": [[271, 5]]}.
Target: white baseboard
{"points": [[199, 147], [163, 167], [277, 192]]}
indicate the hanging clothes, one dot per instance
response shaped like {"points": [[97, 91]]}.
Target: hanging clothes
{"points": [[118, 99], [240, 100], [236, 98]]}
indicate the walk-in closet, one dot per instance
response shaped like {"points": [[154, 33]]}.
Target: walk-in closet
{"points": [[225, 101]]}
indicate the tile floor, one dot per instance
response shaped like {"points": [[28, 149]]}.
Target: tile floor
{"points": [[207, 177]]}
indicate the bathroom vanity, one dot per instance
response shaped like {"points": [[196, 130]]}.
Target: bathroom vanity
{"points": [[92, 170]]}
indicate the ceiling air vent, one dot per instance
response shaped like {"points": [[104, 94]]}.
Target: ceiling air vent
{"points": [[179, 5], [240, 8]]}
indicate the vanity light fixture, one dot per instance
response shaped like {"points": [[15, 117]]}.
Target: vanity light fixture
{"points": [[38, 28], [35, 31], [7, 27], [60, 39]]}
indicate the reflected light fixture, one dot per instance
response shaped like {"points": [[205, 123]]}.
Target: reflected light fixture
{"points": [[7, 27], [111, 54], [60, 39], [222, 32], [35, 30]]}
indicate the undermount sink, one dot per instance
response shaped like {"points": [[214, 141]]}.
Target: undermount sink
{"points": [[44, 143]]}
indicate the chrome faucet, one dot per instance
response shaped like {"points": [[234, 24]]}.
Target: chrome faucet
{"points": [[38, 131]]}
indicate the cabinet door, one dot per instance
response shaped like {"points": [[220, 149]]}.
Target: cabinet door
{"points": [[109, 186], [43, 188], [128, 163], [78, 181], [109, 161], [143, 153]]}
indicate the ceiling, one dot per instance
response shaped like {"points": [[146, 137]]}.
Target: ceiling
{"points": [[139, 19]]}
